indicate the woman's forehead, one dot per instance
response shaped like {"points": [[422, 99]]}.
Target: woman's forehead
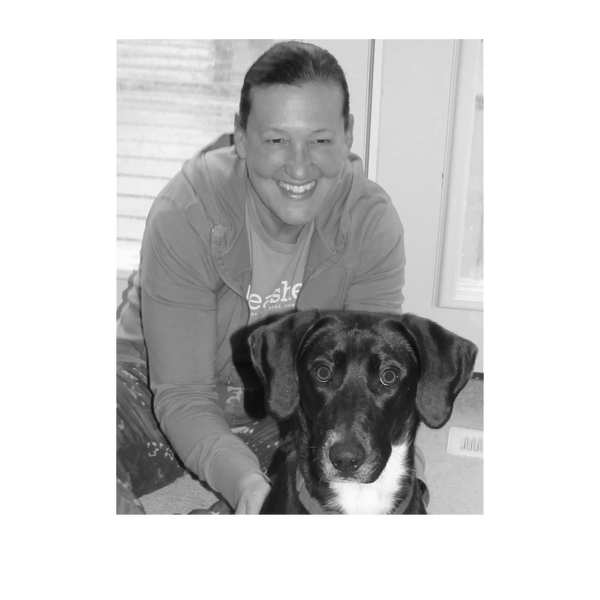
{"points": [[318, 106]]}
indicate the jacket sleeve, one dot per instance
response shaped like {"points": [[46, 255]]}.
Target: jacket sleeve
{"points": [[179, 318], [379, 273]]}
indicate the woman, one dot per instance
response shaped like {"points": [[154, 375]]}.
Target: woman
{"points": [[284, 219]]}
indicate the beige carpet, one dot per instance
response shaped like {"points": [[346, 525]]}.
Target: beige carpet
{"points": [[180, 497], [455, 482]]}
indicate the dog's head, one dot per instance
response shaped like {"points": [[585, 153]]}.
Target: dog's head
{"points": [[360, 382]]}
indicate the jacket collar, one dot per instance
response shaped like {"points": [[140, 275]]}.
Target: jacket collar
{"points": [[314, 507], [220, 180]]}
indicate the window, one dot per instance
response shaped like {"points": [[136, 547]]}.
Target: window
{"points": [[461, 273], [173, 98]]}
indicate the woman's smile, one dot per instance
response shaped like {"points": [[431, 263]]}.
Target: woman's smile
{"points": [[298, 192], [295, 147]]}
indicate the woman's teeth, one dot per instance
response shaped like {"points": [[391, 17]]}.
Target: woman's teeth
{"points": [[297, 189]]}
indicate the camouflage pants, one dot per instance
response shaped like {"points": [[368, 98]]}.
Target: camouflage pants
{"points": [[146, 461], [143, 460]]}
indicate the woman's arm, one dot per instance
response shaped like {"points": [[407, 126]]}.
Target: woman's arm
{"points": [[179, 317]]}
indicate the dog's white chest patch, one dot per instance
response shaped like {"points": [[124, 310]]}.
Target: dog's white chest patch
{"points": [[375, 498]]}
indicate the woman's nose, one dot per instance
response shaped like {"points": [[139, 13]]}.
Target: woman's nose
{"points": [[298, 162]]}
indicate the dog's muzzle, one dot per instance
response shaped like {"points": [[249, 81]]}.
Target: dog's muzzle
{"points": [[348, 456]]}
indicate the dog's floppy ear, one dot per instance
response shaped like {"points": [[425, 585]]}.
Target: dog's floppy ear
{"points": [[447, 362], [273, 349]]}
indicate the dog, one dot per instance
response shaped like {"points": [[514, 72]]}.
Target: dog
{"points": [[356, 386]]}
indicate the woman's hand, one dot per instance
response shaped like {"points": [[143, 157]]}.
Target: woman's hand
{"points": [[254, 490]]}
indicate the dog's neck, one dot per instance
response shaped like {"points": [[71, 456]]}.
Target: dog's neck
{"points": [[314, 507]]}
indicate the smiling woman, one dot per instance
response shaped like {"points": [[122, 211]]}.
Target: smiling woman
{"points": [[286, 219], [295, 147]]}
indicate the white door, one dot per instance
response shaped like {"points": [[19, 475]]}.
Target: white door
{"points": [[427, 146]]}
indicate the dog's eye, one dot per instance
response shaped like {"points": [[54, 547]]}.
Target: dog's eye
{"points": [[323, 373], [388, 377]]}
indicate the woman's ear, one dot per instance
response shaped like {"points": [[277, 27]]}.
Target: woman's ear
{"points": [[239, 137]]}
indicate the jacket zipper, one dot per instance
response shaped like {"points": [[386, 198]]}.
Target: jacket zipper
{"points": [[218, 231]]}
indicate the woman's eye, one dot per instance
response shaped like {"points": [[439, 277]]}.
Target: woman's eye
{"points": [[276, 141], [323, 374], [388, 377]]}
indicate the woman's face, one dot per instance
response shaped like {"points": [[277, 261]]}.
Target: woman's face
{"points": [[295, 147]]}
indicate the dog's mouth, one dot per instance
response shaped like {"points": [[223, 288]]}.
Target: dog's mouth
{"points": [[368, 473]]}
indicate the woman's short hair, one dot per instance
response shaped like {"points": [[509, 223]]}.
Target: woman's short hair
{"points": [[293, 63]]}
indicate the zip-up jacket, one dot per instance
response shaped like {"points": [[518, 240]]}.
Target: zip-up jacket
{"points": [[195, 272]]}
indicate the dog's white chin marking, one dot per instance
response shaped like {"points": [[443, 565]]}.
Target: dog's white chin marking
{"points": [[375, 498]]}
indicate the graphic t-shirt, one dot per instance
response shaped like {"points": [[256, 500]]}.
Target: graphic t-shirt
{"points": [[277, 273], [277, 267]]}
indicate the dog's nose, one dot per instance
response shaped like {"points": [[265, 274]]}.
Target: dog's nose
{"points": [[347, 457]]}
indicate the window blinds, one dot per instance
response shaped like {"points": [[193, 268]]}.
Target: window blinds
{"points": [[173, 97]]}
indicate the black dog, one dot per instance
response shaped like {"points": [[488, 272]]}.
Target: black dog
{"points": [[357, 386]]}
